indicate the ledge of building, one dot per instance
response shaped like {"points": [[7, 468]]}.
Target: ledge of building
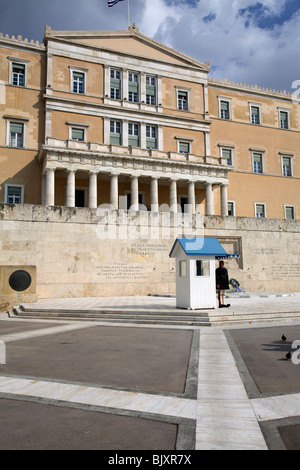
{"points": [[84, 215]]}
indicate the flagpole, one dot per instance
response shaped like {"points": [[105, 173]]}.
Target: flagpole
{"points": [[128, 14]]}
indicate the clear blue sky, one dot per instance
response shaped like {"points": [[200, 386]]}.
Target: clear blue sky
{"points": [[244, 40]]}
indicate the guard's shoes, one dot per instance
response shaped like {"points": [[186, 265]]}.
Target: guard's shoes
{"points": [[224, 306]]}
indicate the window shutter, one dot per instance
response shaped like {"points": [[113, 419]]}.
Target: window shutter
{"points": [[16, 127]]}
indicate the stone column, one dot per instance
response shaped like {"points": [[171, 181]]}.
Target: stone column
{"points": [[143, 138], [70, 198], [224, 200], [106, 130], [125, 93], [134, 193], [107, 81], [173, 196], [160, 138], [207, 143], [50, 187], [154, 195], [209, 200], [93, 190], [114, 191], [143, 87], [124, 131], [191, 198]]}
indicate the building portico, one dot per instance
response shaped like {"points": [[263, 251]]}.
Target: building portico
{"points": [[182, 176]]}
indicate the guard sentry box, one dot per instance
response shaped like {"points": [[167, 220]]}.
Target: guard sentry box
{"points": [[195, 271]]}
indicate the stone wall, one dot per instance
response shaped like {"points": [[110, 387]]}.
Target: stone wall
{"points": [[83, 253]]}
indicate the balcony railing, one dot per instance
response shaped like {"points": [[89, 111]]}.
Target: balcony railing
{"points": [[111, 149]]}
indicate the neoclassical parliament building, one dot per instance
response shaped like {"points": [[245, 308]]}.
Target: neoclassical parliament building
{"points": [[92, 118]]}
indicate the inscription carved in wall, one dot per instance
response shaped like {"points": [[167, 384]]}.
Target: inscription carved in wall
{"points": [[148, 248], [286, 271], [121, 272]]}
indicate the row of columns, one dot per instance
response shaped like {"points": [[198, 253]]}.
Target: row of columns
{"points": [[114, 193]]}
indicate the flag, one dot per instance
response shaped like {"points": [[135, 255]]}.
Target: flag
{"points": [[111, 3]]}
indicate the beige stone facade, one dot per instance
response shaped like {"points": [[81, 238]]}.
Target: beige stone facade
{"points": [[93, 118], [75, 256]]}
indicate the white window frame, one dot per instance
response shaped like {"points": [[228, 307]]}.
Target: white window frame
{"points": [[256, 105], [24, 62], [183, 90], [113, 71], [228, 100], [78, 70], [152, 128], [7, 186], [261, 153], [113, 122], [138, 83], [227, 147], [185, 140], [153, 82], [265, 209], [287, 111], [286, 206], [290, 157], [77, 125], [23, 121]]}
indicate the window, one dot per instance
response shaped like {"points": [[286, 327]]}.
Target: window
{"points": [[182, 100], [115, 84], [255, 114], [115, 74], [78, 134], [16, 134], [257, 163], [227, 153], [78, 82], [18, 74], [184, 204], [182, 268], [133, 87], [184, 147], [231, 208], [286, 166], [115, 132], [224, 109], [260, 210], [284, 119], [150, 90], [14, 194], [202, 268], [151, 137], [290, 213], [133, 135], [140, 199], [18, 71]]}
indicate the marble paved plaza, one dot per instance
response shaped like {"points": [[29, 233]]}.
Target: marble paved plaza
{"points": [[99, 386]]}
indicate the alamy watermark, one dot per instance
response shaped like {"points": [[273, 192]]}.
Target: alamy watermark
{"points": [[2, 352], [144, 224], [296, 354], [296, 93]]}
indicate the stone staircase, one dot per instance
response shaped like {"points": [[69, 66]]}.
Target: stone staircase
{"points": [[240, 315], [182, 317]]}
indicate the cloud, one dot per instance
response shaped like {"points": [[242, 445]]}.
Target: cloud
{"points": [[248, 41], [236, 37]]}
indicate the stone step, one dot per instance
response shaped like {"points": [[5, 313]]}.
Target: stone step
{"points": [[214, 318], [133, 317]]}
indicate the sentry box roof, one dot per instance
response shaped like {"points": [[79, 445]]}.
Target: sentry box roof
{"points": [[199, 246]]}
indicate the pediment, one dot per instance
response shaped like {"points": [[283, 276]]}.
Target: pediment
{"points": [[130, 42]]}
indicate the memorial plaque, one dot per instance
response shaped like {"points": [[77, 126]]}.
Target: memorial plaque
{"points": [[19, 280]]}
